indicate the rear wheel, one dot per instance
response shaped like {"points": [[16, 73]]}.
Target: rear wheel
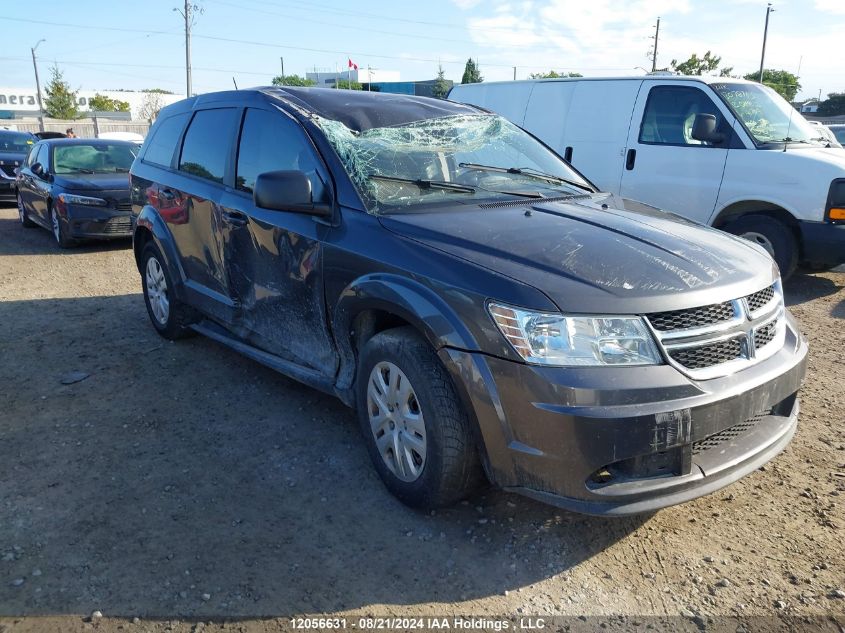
{"points": [[24, 217], [169, 316], [59, 230], [415, 428], [773, 235]]}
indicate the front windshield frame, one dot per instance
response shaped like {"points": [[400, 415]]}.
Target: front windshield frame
{"points": [[438, 141], [65, 170], [27, 140], [797, 129]]}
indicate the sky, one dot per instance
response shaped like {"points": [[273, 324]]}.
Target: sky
{"points": [[122, 44]]}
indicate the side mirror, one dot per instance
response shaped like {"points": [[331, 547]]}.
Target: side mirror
{"points": [[288, 191], [37, 169], [704, 129]]}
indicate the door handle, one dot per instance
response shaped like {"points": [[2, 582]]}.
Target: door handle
{"points": [[235, 218], [567, 154], [631, 159]]}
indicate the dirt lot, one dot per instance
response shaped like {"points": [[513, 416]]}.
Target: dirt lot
{"points": [[180, 483]]}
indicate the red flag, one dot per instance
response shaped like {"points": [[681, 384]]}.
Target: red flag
{"points": [[353, 64]]}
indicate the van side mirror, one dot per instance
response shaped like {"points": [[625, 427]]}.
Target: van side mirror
{"points": [[704, 129], [288, 191]]}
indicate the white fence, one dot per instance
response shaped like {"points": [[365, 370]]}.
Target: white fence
{"points": [[84, 128]]}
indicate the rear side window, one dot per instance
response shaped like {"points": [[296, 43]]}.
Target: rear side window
{"points": [[205, 149], [670, 113], [272, 142], [161, 146]]}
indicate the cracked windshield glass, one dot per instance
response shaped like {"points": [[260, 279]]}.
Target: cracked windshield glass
{"points": [[448, 158]]}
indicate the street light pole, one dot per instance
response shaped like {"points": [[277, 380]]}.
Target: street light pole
{"points": [[654, 55], [38, 86], [769, 9]]}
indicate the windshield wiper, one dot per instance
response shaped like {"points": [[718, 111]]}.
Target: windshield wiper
{"points": [[425, 184], [527, 171]]}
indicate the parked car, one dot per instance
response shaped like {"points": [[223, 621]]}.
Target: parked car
{"points": [[43, 136], [14, 147], [77, 188], [132, 137], [477, 300], [729, 153], [838, 130], [825, 134]]}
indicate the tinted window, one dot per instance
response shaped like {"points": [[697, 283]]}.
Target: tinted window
{"points": [[272, 142], [41, 155], [206, 145], [670, 113], [30, 158], [160, 147]]}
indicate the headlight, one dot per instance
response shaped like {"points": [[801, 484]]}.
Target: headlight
{"points": [[560, 340], [69, 198]]}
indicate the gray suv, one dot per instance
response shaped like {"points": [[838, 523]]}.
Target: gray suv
{"points": [[484, 308]]}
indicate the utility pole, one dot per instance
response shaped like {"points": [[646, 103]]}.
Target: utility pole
{"points": [[38, 86], [769, 9], [188, 15], [514, 73], [654, 54], [283, 67]]}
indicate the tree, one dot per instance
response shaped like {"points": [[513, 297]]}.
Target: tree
{"points": [[345, 84], [472, 75], [696, 65], [553, 74], [60, 102], [781, 81], [160, 91], [292, 80], [441, 86], [102, 103], [151, 105], [834, 105]]}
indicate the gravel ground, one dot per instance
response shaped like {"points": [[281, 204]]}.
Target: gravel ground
{"points": [[178, 484]]}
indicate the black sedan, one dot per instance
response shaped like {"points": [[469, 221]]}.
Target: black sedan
{"points": [[14, 146], [77, 188]]}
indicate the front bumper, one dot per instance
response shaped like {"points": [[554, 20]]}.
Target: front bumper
{"points": [[98, 222], [618, 441], [822, 243]]}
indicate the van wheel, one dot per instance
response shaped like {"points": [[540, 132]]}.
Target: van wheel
{"points": [[170, 317], [415, 428], [773, 235]]}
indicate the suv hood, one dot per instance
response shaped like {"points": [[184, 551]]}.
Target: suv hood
{"points": [[628, 258]]}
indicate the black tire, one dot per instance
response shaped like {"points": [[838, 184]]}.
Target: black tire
{"points": [[24, 217], [776, 233], [178, 316], [451, 470], [59, 230]]}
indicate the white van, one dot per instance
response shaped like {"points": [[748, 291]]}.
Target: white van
{"points": [[725, 152]]}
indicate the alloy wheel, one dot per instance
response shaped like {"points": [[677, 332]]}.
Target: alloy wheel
{"points": [[157, 291], [21, 212], [396, 421], [57, 230]]}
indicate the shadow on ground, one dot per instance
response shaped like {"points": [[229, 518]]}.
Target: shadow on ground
{"points": [[182, 480], [801, 288], [39, 241]]}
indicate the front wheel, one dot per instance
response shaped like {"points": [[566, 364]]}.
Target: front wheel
{"points": [[414, 425], [22, 214], [773, 235], [59, 230]]}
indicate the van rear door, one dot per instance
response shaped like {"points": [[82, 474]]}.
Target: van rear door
{"points": [[663, 165]]}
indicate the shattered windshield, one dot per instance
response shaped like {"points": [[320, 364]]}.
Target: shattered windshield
{"points": [[467, 156], [766, 115]]}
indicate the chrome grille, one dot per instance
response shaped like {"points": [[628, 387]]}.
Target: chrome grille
{"points": [[708, 355], [717, 339], [760, 298], [765, 334], [717, 439], [696, 317]]}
